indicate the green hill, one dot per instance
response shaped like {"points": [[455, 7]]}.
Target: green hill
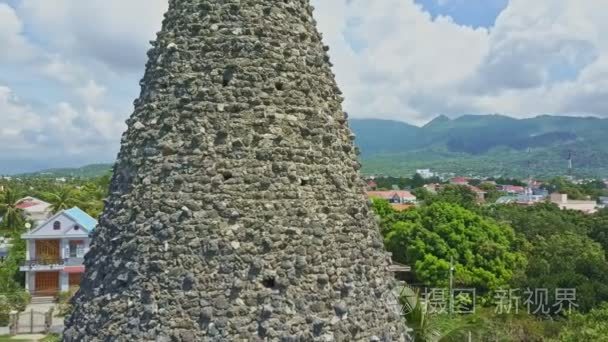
{"points": [[486, 145], [88, 171]]}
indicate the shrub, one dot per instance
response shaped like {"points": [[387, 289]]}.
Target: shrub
{"points": [[65, 296], [19, 300], [5, 309], [16, 301], [51, 338]]}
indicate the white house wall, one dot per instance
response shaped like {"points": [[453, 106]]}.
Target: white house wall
{"points": [[46, 230]]}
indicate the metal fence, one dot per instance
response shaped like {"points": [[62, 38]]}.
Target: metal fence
{"points": [[30, 322]]}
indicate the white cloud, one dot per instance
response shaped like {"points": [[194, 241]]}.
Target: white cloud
{"points": [[14, 47], [57, 68], [397, 55], [91, 92], [546, 56], [16, 118], [113, 32], [63, 131]]}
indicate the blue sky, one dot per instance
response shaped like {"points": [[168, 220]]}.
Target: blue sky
{"points": [[70, 69], [475, 13]]}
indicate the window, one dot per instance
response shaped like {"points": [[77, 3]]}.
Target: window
{"points": [[56, 225], [76, 227], [76, 249]]}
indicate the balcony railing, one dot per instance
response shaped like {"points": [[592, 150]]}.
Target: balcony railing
{"points": [[46, 263]]}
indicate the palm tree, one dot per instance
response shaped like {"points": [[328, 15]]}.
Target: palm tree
{"points": [[428, 327], [61, 200], [12, 216], [419, 319]]}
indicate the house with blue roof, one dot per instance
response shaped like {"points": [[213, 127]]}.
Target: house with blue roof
{"points": [[55, 252]]}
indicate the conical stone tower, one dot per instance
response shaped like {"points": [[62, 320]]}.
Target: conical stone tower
{"points": [[237, 212]]}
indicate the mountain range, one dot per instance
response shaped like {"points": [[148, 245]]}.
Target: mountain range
{"points": [[488, 145], [484, 145]]}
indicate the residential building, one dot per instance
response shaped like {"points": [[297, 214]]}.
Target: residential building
{"points": [[371, 184], [34, 209], [540, 192], [460, 181], [481, 195], [394, 196], [425, 173], [563, 202], [55, 250], [432, 188], [513, 189]]}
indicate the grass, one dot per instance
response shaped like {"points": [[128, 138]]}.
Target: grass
{"points": [[49, 338], [6, 338]]}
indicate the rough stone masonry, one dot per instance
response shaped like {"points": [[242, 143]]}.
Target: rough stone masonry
{"points": [[237, 212]]}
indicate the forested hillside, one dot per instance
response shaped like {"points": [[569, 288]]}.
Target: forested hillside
{"points": [[486, 144]]}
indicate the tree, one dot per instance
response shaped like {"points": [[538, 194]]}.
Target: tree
{"points": [[542, 219], [428, 326], [456, 194], [561, 185], [12, 217], [64, 198], [492, 194], [568, 261], [598, 230], [422, 194], [427, 237], [590, 327], [417, 181]]}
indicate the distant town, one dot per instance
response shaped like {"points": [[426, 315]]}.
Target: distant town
{"points": [[585, 195]]}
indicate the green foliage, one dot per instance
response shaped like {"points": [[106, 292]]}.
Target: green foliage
{"points": [[64, 297], [598, 228], [569, 261], [591, 189], [19, 300], [65, 306], [5, 310], [492, 194], [542, 219], [427, 237], [457, 194], [11, 279], [52, 338], [14, 301], [422, 194], [592, 326], [428, 327], [63, 199], [12, 218]]}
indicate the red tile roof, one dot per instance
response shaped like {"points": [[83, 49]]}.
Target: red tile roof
{"points": [[460, 180], [390, 194], [26, 204]]}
